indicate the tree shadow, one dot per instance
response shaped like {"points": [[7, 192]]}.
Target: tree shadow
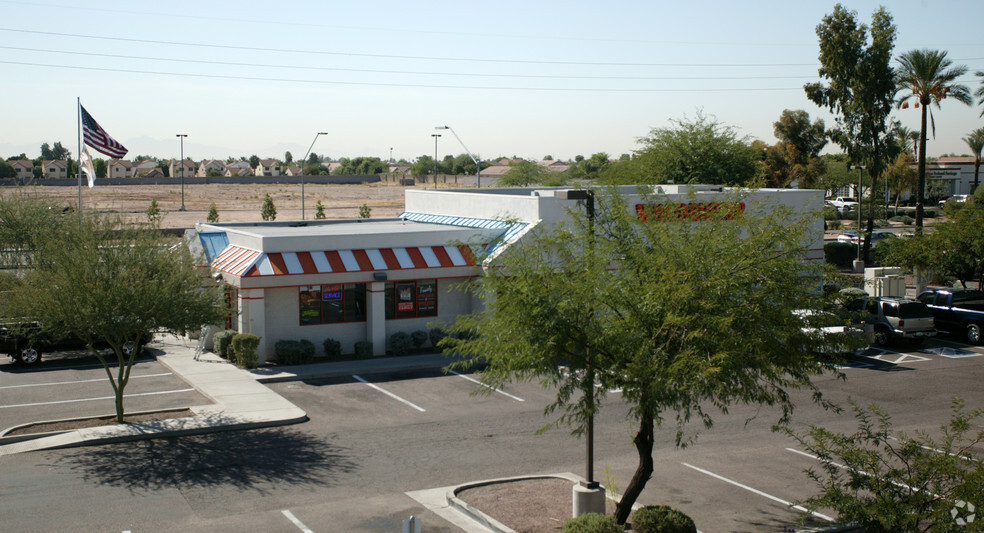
{"points": [[252, 460]]}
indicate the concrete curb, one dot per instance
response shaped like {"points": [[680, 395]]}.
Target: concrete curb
{"points": [[484, 519]]}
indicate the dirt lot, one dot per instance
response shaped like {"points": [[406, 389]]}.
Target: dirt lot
{"points": [[235, 203]]}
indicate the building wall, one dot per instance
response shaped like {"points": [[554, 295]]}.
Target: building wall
{"points": [[282, 310]]}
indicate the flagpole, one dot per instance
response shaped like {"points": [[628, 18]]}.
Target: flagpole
{"points": [[78, 118]]}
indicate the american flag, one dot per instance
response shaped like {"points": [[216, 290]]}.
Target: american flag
{"points": [[96, 137]]}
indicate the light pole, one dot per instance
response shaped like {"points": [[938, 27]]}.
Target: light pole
{"points": [[478, 167], [860, 169], [304, 162], [181, 137], [436, 136]]}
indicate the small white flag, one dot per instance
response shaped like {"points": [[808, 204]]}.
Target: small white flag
{"points": [[87, 167]]}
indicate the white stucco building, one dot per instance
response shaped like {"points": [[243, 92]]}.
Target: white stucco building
{"points": [[365, 279]]}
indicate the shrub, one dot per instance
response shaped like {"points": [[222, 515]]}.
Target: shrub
{"points": [[909, 212], [661, 519], [244, 345], [333, 349], [592, 523], [830, 213], [399, 343], [223, 343], [294, 352], [840, 254], [418, 337], [834, 224], [436, 334], [363, 350], [903, 219]]}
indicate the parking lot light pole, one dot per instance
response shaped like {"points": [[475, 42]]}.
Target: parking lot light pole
{"points": [[478, 166], [182, 136], [304, 162], [436, 136], [860, 169]]}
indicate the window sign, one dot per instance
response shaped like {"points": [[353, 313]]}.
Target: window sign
{"points": [[328, 304], [310, 305], [427, 298]]}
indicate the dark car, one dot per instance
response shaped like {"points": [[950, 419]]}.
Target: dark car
{"points": [[25, 341]]}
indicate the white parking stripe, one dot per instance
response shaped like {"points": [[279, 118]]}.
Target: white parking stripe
{"points": [[97, 399], [80, 381], [760, 493], [112, 364], [300, 525], [862, 472], [500, 391], [390, 394]]}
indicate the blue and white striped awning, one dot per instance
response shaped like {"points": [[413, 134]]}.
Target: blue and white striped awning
{"points": [[510, 229]]}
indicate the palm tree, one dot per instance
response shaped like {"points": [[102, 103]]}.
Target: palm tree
{"points": [[908, 140], [976, 143], [979, 93], [926, 77]]}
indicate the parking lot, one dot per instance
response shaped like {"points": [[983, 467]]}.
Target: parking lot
{"points": [[738, 477], [74, 385]]}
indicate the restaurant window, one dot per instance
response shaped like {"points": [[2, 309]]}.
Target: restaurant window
{"points": [[411, 299], [329, 304]]}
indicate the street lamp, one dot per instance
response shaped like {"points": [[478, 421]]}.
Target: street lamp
{"points": [[304, 162], [860, 169], [181, 137], [436, 136], [588, 196], [478, 167]]}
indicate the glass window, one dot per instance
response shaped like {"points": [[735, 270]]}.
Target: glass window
{"points": [[332, 301], [411, 299], [427, 298], [311, 305], [405, 300], [390, 299], [355, 302]]}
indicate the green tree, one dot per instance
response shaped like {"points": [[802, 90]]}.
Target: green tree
{"points": [[975, 141], [900, 176], [100, 279], [886, 481], [154, 215], [423, 166], [100, 166], [926, 76], [523, 173], [213, 213], [365, 211], [360, 166], [319, 211], [165, 167], [667, 325], [860, 90], [590, 168], [288, 158], [698, 151], [268, 211], [6, 170], [794, 128], [254, 161], [954, 250]]}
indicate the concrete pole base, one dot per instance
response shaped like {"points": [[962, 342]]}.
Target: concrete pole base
{"points": [[588, 500], [858, 266]]}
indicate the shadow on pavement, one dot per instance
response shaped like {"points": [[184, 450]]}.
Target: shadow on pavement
{"points": [[254, 460]]}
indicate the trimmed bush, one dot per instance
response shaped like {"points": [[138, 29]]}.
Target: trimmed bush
{"points": [[436, 334], [830, 213], [294, 352], [592, 523], [661, 519], [363, 350], [333, 349], [834, 224], [400, 343], [419, 338], [244, 346], [840, 254], [222, 342]]}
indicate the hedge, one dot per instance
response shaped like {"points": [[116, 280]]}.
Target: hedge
{"points": [[294, 352], [244, 345], [222, 342], [333, 349], [841, 254], [363, 350], [592, 523], [399, 343], [661, 519]]}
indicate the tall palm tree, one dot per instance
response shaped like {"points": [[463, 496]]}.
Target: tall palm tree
{"points": [[979, 93], [908, 140], [926, 76], [976, 143]]}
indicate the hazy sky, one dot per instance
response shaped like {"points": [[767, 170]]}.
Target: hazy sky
{"points": [[525, 78]]}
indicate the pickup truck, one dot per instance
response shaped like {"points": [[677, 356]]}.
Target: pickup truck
{"points": [[957, 311], [843, 203], [25, 341]]}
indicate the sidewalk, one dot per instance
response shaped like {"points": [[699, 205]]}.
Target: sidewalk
{"points": [[241, 399]]}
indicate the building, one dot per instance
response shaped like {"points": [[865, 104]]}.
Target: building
{"points": [[365, 279], [268, 167], [54, 169], [120, 168], [24, 169], [177, 169], [950, 175], [218, 168]]}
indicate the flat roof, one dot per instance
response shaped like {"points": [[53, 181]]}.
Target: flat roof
{"points": [[320, 228]]}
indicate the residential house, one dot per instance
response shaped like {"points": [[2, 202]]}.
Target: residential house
{"points": [[553, 165], [268, 167], [119, 168], [23, 167], [238, 168], [184, 168], [210, 164], [292, 171], [54, 169], [143, 168]]}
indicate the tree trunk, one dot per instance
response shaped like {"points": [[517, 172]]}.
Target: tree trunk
{"points": [[921, 187], [644, 445]]}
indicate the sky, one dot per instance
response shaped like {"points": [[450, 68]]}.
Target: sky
{"points": [[511, 78]]}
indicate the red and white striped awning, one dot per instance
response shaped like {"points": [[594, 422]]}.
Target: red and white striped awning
{"points": [[244, 262]]}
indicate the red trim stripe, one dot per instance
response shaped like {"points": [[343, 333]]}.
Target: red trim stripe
{"points": [[418, 260], [277, 262], [392, 263], [307, 264], [363, 259], [466, 253], [335, 261], [442, 256]]}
